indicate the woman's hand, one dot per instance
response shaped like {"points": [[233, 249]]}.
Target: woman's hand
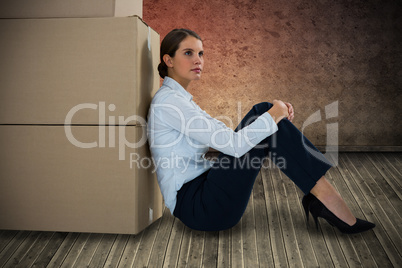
{"points": [[291, 111], [281, 110]]}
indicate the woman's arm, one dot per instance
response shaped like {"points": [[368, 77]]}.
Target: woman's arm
{"points": [[178, 113]]}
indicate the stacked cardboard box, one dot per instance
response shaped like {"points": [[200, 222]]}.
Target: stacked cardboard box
{"points": [[69, 8], [74, 95]]}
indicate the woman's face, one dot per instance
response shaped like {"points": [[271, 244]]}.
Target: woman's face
{"points": [[188, 62]]}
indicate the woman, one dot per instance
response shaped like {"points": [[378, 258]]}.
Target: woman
{"points": [[213, 196]]}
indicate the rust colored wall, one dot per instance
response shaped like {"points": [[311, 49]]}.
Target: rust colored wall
{"points": [[310, 53]]}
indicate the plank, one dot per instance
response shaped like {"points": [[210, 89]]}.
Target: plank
{"points": [[345, 242], [327, 254], [263, 243], [13, 246], [184, 248], [224, 249], [292, 251], [340, 248], [36, 248], [296, 212], [174, 244], [378, 253], [210, 252], [6, 237], [383, 192], [383, 163], [103, 250], [75, 250], [196, 249], [347, 172], [88, 251], [275, 232], [237, 246], [145, 247], [374, 197], [315, 240], [117, 250], [321, 249], [22, 250], [159, 249], [362, 250], [49, 251], [131, 249], [357, 243], [64, 249], [384, 179], [396, 161], [250, 255]]}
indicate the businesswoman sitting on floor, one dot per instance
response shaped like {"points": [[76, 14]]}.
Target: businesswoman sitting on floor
{"points": [[213, 195]]}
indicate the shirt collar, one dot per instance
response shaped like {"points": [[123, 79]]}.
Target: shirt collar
{"points": [[173, 84]]}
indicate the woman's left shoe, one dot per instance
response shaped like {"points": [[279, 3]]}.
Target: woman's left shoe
{"points": [[317, 209], [306, 203]]}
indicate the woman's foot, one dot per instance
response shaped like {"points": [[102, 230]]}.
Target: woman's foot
{"points": [[332, 200], [317, 209]]}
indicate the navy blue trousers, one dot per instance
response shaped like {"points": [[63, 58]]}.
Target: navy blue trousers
{"points": [[217, 199]]}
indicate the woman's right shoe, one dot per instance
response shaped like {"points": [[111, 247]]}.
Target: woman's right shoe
{"points": [[318, 209]]}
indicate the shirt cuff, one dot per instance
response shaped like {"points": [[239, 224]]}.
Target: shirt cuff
{"points": [[273, 127]]}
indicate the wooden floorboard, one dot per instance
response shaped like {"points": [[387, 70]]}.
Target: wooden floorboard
{"points": [[116, 251], [275, 230], [163, 235], [261, 224], [360, 204], [224, 249], [373, 211], [272, 233], [103, 250]]}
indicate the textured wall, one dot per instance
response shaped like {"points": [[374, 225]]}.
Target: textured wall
{"points": [[310, 53]]}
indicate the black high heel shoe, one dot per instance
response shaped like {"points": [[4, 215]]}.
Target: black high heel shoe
{"points": [[317, 209], [307, 199]]}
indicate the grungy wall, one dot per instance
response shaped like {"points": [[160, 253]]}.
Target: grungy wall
{"points": [[312, 53]]}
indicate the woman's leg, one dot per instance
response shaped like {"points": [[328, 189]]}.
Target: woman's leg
{"points": [[217, 199], [286, 148], [322, 189], [327, 194]]}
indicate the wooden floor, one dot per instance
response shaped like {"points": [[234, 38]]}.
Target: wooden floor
{"points": [[272, 233]]}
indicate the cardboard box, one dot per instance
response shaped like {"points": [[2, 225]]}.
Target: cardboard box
{"points": [[49, 184], [69, 8], [74, 95], [49, 66]]}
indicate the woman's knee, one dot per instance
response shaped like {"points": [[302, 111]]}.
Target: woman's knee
{"points": [[257, 110], [262, 107]]}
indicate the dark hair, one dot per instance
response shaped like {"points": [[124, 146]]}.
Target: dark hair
{"points": [[170, 45]]}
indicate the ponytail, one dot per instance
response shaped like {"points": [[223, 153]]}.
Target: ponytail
{"points": [[162, 69]]}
